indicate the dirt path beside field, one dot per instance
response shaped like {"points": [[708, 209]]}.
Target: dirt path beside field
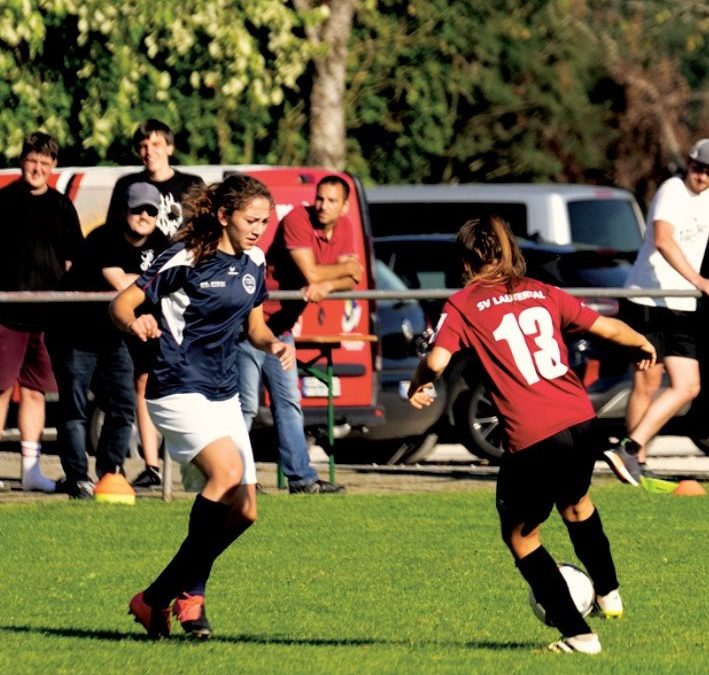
{"points": [[370, 479], [449, 469]]}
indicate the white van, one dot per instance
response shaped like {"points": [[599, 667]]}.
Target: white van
{"points": [[583, 215]]}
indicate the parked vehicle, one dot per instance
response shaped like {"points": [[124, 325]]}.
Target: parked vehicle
{"points": [[404, 330], [584, 215]]}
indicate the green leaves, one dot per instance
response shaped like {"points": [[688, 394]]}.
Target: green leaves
{"points": [[90, 71]]}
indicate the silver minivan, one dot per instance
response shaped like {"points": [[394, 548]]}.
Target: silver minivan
{"points": [[583, 215]]}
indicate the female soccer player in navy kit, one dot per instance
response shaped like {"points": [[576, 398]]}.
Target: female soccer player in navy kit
{"points": [[516, 326], [205, 288]]}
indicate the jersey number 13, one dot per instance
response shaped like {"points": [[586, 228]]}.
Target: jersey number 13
{"points": [[545, 362]]}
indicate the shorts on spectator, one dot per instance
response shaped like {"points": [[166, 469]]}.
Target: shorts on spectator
{"points": [[190, 422], [672, 332], [24, 359]]}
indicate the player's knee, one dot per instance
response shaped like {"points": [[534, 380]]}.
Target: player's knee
{"points": [[32, 396], [574, 513], [521, 542]]}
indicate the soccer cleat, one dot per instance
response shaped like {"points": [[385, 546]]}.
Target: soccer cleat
{"points": [[624, 464], [317, 487], [610, 605], [148, 478], [155, 621], [189, 610], [587, 643]]}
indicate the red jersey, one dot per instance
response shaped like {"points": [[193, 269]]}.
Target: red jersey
{"points": [[518, 337], [296, 231]]}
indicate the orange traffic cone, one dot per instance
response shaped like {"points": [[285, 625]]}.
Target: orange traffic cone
{"points": [[689, 487], [113, 488]]}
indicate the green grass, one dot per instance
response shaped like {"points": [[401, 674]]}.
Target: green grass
{"points": [[417, 583]]}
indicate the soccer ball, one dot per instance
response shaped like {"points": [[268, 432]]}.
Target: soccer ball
{"points": [[580, 587]]}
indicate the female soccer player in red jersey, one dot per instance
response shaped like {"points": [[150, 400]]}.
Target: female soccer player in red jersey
{"points": [[516, 326]]}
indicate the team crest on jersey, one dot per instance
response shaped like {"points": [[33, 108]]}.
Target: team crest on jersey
{"points": [[249, 283]]}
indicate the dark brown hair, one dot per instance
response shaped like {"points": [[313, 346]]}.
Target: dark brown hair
{"points": [[41, 143], [332, 179], [201, 230], [149, 127], [490, 252]]}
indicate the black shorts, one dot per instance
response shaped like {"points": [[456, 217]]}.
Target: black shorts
{"points": [[671, 331], [556, 471]]}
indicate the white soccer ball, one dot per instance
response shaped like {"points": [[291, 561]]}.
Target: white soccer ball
{"points": [[580, 587]]}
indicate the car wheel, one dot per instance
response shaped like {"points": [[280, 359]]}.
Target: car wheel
{"points": [[478, 424]]}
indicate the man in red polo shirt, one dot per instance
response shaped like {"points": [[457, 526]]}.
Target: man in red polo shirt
{"points": [[313, 250]]}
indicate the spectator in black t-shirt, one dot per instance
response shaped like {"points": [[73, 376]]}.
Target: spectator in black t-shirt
{"points": [[92, 351], [154, 143], [41, 235]]}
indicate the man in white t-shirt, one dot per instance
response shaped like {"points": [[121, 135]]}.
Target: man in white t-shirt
{"points": [[669, 258]]}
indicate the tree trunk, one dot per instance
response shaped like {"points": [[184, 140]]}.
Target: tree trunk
{"points": [[327, 142]]}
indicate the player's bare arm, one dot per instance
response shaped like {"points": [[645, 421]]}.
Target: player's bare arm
{"points": [[427, 371], [261, 337], [122, 311], [619, 332]]}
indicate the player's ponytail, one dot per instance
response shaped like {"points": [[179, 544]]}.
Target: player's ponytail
{"points": [[489, 252], [200, 230]]}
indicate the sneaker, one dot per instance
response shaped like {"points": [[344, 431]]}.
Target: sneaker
{"points": [[317, 487], [155, 621], [610, 605], [587, 643], [189, 610], [82, 489], [624, 464], [148, 478], [648, 473]]}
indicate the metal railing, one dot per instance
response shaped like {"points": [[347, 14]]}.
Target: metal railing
{"points": [[52, 297], [41, 297]]}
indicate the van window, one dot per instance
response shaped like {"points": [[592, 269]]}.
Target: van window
{"points": [[431, 217], [604, 223]]}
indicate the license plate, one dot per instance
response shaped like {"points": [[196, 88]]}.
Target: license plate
{"points": [[311, 387]]}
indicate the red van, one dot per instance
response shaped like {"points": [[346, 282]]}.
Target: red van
{"points": [[356, 363]]}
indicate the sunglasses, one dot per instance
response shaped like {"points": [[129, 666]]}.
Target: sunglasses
{"points": [[695, 167], [152, 211]]}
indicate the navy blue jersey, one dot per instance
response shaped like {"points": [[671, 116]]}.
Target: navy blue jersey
{"points": [[201, 311]]}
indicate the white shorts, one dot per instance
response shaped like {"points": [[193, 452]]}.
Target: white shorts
{"points": [[190, 422]]}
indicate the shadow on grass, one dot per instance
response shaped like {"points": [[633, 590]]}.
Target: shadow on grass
{"points": [[117, 636]]}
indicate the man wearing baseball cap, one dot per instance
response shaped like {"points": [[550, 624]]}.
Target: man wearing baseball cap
{"points": [[90, 349], [669, 258]]}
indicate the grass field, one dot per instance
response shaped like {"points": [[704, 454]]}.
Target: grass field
{"points": [[354, 584]]}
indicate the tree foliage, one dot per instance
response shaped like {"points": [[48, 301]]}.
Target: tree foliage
{"points": [[499, 90], [433, 90], [88, 70]]}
